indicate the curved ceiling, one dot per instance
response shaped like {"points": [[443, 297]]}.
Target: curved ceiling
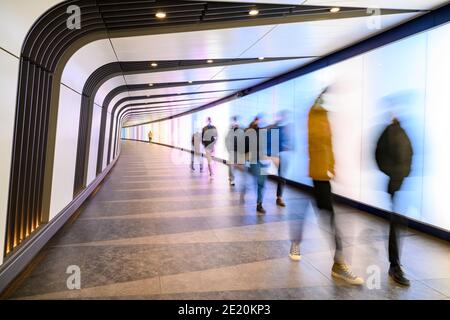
{"points": [[304, 41]]}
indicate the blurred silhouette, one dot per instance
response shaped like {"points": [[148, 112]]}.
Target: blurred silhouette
{"points": [[196, 154], [394, 157], [150, 136], [281, 153], [235, 148], [321, 170], [254, 147], [209, 139]]}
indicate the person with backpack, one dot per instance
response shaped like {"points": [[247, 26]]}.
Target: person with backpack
{"points": [[393, 155], [209, 139]]}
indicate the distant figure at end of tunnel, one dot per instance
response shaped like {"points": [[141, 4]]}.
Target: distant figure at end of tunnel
{"points": [[150, 136]]}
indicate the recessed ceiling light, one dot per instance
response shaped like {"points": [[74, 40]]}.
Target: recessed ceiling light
{"points": [[160, 15], [150, 84], [190, 81], [209, 61], [261, 58], [154, 64], [335, 9], [253, 12]]}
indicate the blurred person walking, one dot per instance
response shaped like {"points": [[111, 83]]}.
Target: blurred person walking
{"points": [[282, 151], [209, 139], [236, 152], [253, 147], [394, 157], [321, 170], [196, 153]]}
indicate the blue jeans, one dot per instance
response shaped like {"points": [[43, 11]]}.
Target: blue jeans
{"points": [[260, 178]]}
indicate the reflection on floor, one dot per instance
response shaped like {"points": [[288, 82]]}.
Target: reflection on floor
{"points": [[156, 230]]}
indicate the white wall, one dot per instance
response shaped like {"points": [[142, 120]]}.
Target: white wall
{"points": [[9, 67], [65, 150], [93, 148], [16, 19], [106, 142]]}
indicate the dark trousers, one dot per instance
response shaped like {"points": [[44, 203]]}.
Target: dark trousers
{"points": [[282, 170], [396, 225], [323, 196], [281, 181]]}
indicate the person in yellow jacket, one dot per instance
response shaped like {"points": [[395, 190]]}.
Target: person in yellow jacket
{"points": [[321, 170], [320, 145]]}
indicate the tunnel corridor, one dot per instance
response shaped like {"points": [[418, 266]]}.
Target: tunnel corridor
{"points": [[156, 230]]}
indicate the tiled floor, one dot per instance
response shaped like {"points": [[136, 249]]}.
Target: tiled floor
{"points": [[156, 230]]}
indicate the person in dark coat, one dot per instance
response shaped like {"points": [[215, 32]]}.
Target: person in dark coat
{"points": [[394, 157]]}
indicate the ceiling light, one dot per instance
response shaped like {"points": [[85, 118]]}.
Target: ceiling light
{"points": [[209, 61], [160, 15], [335, 9], [190, 81], [154, 64], [253, 12], [150, 84], [261, 58]]}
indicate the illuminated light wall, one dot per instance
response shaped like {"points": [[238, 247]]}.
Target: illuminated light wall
{"points": [[408, 79]]}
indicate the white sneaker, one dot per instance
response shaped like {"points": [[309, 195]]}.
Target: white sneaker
{"points": [[294, 253]]}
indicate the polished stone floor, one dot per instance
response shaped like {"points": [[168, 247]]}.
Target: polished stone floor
{"points": [[156, 230]]}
